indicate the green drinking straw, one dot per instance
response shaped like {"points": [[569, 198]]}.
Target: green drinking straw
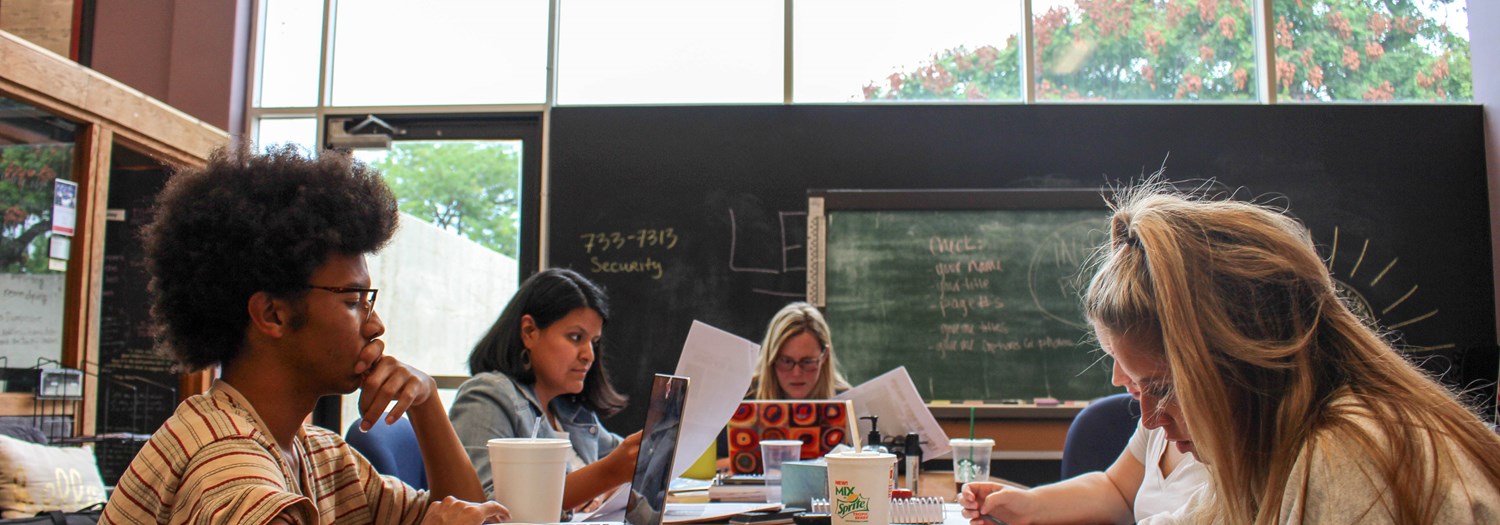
{"points": [[971, 422], [969, 468]]}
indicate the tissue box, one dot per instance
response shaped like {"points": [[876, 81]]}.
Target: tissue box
{"points": [[801, 481]]}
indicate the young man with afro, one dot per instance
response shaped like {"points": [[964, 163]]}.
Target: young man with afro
{"points": [[257, 265]]}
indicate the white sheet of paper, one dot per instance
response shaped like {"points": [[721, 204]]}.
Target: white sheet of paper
{"points": [[722, 363], [613, 509], [894, 398], [710, 356]]}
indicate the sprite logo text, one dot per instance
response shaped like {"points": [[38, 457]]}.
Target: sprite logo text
{"points": [[850, 505]]}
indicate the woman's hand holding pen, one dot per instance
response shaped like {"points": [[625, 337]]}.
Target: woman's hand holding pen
{"points": [[988, 503]]}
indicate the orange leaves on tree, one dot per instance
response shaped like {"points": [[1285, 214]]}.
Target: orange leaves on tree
{"points": [[1111, 17], [1228, 27], [1043, 26], [1285, 70], [1190, 84], [1208, 10], [1374, 51], [1378, 24], [1351, 59], [1283, 33], [1154, 41], [1340, 24], [1240, 77], [1315, 76], [1382, 93]]}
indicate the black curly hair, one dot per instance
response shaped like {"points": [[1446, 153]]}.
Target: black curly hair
{"points": [[248, 223]]}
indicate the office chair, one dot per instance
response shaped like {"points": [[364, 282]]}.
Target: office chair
{"points": [[391, 449], [1099, 434]]}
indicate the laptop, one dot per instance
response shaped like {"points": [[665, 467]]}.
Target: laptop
{"points": [[653, 466], [820, 426]]}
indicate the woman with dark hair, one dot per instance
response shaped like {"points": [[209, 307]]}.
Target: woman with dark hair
{"points": [[540, 362]]}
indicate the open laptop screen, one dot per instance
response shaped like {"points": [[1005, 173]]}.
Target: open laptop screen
{"points": [[820, 425], [653, 467]]}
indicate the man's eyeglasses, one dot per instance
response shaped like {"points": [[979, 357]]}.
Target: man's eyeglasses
{"points": [[366, 295], [807, 364]]}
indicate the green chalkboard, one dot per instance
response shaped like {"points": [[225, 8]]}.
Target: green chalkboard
{"points": [[976, 304]]}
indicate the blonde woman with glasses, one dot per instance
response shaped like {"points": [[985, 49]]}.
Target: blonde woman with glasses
{"points": [[796, 359]]}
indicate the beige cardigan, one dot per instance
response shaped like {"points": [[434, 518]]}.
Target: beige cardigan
{"points": [[1334, 483]]}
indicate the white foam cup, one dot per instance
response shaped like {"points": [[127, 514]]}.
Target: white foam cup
{"points": [[859, 487], [528, 476]]}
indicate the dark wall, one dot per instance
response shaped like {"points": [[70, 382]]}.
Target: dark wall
{"points": [[1402, 187]]}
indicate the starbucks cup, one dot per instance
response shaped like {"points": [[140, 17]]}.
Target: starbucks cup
{"points": [[529, 475], [971, 460], [859, 487]]}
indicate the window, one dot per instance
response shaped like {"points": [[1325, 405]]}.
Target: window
{"points": [[1349, 50], [858, 50], [40, 206], [670, 51], [440, 52], [288, 55], [1127, 50], [461, 249]]}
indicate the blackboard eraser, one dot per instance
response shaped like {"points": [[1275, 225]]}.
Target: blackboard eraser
{"points": [[1045, 402], [940, 402], [973, 402]]}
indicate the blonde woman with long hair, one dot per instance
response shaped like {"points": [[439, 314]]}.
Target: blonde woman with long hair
{"points": [[1223, 312], [796, 359]]}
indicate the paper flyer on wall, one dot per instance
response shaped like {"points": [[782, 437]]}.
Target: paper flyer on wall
{"points": [[64, 206], [894, 398]]}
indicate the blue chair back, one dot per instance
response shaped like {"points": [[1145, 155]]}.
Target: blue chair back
{"points": [[1099, 434], [391, 449]]}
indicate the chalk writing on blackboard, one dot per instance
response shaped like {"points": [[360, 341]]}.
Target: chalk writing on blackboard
{"points": [[609, 250], [788, 243], [976, 303]]}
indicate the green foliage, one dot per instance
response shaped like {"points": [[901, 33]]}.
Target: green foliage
{"points": [[1205, 50], [470, 188], [27, 172]]}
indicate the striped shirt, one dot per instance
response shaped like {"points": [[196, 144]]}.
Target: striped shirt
{"points": [[214, 461]]}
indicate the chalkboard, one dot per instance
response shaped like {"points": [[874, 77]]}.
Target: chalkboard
{"points": [[1396, 197], [137, 388], [977, 304]]}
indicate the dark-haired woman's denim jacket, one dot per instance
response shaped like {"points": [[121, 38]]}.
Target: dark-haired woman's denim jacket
{"points": [[492, 405]]}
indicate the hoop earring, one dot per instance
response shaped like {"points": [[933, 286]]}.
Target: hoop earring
{"points": [[526, 359]]}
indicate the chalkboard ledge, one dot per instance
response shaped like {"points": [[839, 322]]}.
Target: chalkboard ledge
{"points": [[1066, 410]]}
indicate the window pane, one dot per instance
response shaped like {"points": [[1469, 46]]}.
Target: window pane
{"points": [[40, 199], [396, 52], [289, 53], [451, 267], [852, 50], [300, 131], [1129, 50], [1372, 51], [670, 51]]}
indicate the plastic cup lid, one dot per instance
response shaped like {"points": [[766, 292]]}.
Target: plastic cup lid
{"points": [[530, 442]]}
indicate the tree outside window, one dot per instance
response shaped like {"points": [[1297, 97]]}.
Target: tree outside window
{"points": [[1190, 50]]}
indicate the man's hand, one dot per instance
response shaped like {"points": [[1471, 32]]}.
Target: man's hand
{"points": [[459, 512], [391, 380]]}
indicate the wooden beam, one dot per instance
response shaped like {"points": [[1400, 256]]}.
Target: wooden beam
{"points": [[84, 288], [52, 82]]}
